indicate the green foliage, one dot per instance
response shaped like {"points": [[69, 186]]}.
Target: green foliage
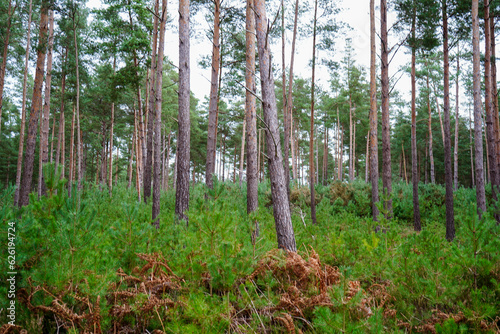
{"points": [[389, 277]]}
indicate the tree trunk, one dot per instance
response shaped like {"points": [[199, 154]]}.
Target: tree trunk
{"points": [[290, 90], [253, 158], [167, 161], [286, 122], [373, 116], [131, 159], [60, 140], [110, 178], [23, 111], [457, 108], [78, 134], [138, 151], [488, 106], [311, 131], [72, 152], [351, 131], [386, 132], [494, 93], [183, 144], [325, 157], [450, 219], [3, 66], [471, 150], [367, 158], [242, 151], [213, 103], [439, 113], [158, 98], [281, 207], [431, 154], [36, 106], [414, 160], [44, 135], [151, 109]]}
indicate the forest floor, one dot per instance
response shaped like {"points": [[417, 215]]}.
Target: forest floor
{"points": [[93, 263]]}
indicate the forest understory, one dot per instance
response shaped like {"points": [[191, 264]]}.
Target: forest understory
{"points": [[95, 263]]}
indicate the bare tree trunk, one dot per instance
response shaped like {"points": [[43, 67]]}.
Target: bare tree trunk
{"points": [[351, 155], [36, 106], [491, 148], [242, 151], [439, 112], [281, 207], [311, 131], [286, 121], [367, 158], [151, 108], [478, 137], [414, 160], [183, 144], [138, 151], [325, 156], [3, 66], [167, 161], [457, 108], [290, 90], [23, 111], [431, 154], [213, 103], [131, 159], [110, 178], [44, 131], [386, 132], [157, 134], [450, 218], [373, 115], [72, 152], [471, 150]]}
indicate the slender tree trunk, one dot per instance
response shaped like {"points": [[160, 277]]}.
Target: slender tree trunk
{"points": [[3, 66], [286, 121], [351, 155], [23, 111], [78, 134], [450, 219], [151, 108], [311, 131], [51, 159], [373, 115], [183, 144], [325, 156], [131, 159], [471, 150], [72, 152], [457, 108], [44, 131], [36, 106], [213, 103], [138, 151], [281, 207], [439, 113], [431, 154], [158, 98], [491, 148], [168, 161], [367, 159], [110, 184], [289, 103], [494, 93], [242, 151], [60, 140], [386, 132], [414, 160]]}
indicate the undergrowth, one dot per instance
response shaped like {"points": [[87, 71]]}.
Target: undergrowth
{"points": [[93, 263]]}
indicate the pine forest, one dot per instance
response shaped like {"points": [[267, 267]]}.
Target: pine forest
{"points": [[224, 166]]}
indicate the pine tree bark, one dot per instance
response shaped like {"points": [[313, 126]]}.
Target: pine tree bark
{"points": [[386, 132], [138, 151], [494, 93], [158, 100], [373, 116], [78, 132], [286, 122], [414, 160], [450, 218], [242, 151], [213, 103], [23, 110], [281, 207], [183, 144], [111, 133], [311, 131], [478, 137], [36, 106], [72, 153], [457, 108], [289, 103], [60, 136], [44, 135], [3, 67], [146, 184], [429, 125], [488, 104]]}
